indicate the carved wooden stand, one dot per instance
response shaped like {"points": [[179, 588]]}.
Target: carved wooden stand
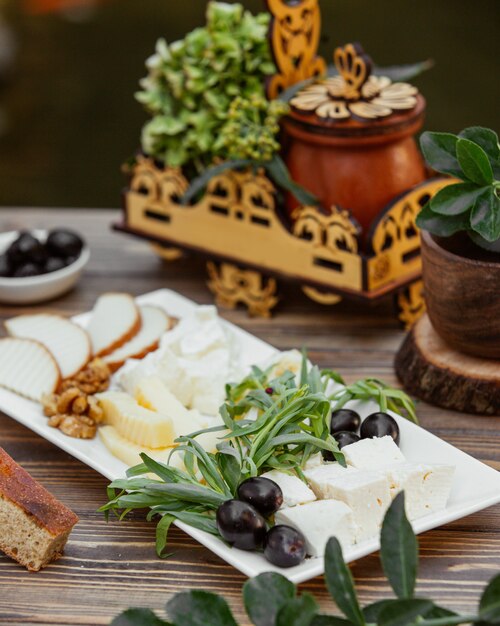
{"points": [[250, 240]]}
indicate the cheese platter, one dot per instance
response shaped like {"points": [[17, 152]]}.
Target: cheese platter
{"points": [[472, 485]]}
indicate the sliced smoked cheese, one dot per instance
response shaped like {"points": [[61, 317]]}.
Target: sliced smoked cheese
{"points": [[68, 342], [115, 320], [27, 368], [154, 323]]}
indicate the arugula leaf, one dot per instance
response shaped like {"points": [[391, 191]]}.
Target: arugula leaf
{"points": [[161, 534], [399, 549], [265, 595], [340, 583], [199, 608], [474, 162]]}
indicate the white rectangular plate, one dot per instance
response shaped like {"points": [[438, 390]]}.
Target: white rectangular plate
{"points": [[475, 486]]}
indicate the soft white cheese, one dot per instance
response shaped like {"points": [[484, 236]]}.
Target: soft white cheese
{"points": [[426, 487], [316, 460], [373, 453], [320, 477], [365, 492], [318, 521], [295, 491]]}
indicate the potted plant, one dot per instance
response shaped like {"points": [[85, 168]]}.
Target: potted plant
{"points": [[461, 241]]}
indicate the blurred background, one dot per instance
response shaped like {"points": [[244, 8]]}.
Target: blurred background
{"points": [[69, 69]]}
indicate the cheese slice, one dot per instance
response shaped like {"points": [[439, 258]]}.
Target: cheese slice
{"points": [[134, 422], [295, 491], [115, 320], [154, 322], [318, 521], [27, 368], [373, 453], [426, 487], [66, 341]]}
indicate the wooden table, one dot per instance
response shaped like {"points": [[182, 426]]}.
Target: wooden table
{"points": [[109, 567]]}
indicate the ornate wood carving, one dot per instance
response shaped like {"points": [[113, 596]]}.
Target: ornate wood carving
{"points": [[295, 31], [232, 285], [411, 304]]}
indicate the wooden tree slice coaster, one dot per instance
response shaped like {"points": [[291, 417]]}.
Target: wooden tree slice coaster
{"points": [[434, 372]]}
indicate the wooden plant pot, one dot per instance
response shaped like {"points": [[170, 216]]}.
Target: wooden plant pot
{"points": [[462, 294]]}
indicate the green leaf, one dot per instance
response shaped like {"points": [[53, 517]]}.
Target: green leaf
{"points": [[329, 620], [162, 529], [403, 612], [297, 612], [189, 493], [404, 72], [198, 184], [455, 199], [199, 608], [442, 225], [487, 139], [340, 583], [485, 216], [138, 617], [489, 605], [440, 152], [281, 176], [372, 611], [399, 549], [265, 595], [474, 162]]}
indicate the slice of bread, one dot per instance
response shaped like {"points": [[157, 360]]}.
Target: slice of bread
{"points": [[68, 342], [34, 526], [27, 368], [154, 323], [115, 320]]}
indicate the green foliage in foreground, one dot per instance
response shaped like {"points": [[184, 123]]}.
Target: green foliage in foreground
{"points": [[472, 205], [272, 600]]}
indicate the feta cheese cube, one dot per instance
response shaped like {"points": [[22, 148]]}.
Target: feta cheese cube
{"points": [[426, 487], [318, 521], [316, 460], [373, 453], [295, 491], [319, 477], [366, 493]]}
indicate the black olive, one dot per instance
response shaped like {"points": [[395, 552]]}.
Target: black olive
{"points": [[284, 546], [70, 260], [64, 243], [27, 269], [262, 493], [379, 425], [343, 438], [54, 263], [344, 419], [26, 249], [5, 266], [241, 525]]}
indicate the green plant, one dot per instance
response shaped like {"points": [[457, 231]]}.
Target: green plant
{"points": [[472, 205], [191, 84], [291, 424], [271, 599]]}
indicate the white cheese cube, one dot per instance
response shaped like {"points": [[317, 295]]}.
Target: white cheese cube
{"points": [[316, 460], [295, 491], [426, 487], [318, 521], [366, 493], [319, 477], [373, 453]]}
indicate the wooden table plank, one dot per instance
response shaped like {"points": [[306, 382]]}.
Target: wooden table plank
{"points": [[108, 567]]}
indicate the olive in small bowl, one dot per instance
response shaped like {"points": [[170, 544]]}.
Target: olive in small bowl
{"points": [[379, 424], [262, 493], [241, 525], [344, 419], [284, 546]]}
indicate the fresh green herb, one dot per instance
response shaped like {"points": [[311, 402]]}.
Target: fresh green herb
{"points": [[191, 84], [271, 600], [269, 422], [472, 205]]}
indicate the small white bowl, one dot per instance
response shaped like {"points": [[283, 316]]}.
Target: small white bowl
{"points": [[34, 289]]}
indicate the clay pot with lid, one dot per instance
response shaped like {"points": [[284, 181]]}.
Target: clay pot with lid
{"points": [[356, 163]]}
